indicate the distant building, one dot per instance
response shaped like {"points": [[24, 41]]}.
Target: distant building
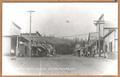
{"points": [[93, 38]]}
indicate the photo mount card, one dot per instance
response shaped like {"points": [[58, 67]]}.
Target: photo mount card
{"points": [[60, 39]]}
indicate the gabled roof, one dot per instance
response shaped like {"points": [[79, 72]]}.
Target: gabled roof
{"points": [[16, 25]]}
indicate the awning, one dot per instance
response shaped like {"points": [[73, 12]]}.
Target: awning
{"points": [[23, 39]]}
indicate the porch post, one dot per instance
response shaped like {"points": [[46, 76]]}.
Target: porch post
{"points": [[17, 49]]}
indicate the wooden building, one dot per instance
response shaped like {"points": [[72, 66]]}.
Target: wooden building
{"points": [[10, 40], [106, 33]]}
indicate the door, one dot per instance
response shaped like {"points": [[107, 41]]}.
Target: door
{"points": [[110, 46]]}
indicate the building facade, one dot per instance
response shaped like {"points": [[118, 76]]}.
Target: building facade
{"points": [[10, 40], [38, 44], [107, 33]]}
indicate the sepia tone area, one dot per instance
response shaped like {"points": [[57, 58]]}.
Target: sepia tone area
{"points": [[50, 62], [0, 39], [55, 54], [58, 0], [119, 37]]}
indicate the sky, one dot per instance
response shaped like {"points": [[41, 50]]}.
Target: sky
{"points": [[58, 19]]}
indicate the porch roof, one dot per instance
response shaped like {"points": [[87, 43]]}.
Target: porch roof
{"points": [[23, 39]]}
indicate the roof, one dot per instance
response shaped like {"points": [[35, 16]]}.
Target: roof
{"points": [[10, 36], [100, 20], [110, 28], [20, 37], [23, 39], [16, 25], [33, 34], [110, 31]]}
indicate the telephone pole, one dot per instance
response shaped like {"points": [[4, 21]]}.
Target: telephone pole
{"points": [[30, 31]]}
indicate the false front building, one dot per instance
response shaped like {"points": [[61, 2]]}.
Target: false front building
{"points": [[107, 33]]}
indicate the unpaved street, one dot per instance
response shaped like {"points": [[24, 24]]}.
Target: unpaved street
{"points": [[62, 64]]}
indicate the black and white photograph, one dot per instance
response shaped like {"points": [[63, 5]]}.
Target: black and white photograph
{"points": [[60, 39]]}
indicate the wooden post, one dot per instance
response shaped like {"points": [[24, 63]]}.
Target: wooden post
{"points": [[17, 50]]}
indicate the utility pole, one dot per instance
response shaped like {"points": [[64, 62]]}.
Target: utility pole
{"points": [[98, 23], [30, 30]]}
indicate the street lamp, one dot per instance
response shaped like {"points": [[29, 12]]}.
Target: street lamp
{"points": [[30, 11]]}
